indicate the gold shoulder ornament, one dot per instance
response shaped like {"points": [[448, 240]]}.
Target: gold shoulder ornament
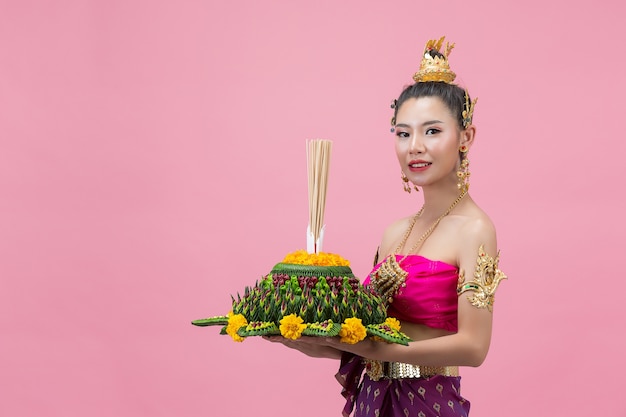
{"points": [[485, 281]]}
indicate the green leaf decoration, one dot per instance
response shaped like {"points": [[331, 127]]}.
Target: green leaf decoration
{"points": [[211, 321], [258, 328], [326, 328], [312, 271], [387, 334]]}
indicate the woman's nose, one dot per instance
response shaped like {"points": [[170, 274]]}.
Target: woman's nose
{"points": [[416, 145]]}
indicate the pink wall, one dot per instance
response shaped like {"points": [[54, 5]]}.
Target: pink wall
{"points": [[152, 162]]}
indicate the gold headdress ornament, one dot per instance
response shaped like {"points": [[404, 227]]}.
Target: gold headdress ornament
{"points": [[468, 110], [435, 68]]}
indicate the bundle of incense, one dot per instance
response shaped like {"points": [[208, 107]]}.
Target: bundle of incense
{"points": [[318, 162]]}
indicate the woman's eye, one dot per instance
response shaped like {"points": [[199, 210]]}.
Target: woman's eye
{"points": [[432, 131], [402, 134]]}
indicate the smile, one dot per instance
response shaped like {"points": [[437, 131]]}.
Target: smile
{"points": [[419, 165]]}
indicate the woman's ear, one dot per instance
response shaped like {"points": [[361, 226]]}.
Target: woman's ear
{"points": [[467, 136]]}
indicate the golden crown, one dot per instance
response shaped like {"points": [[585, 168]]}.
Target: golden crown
{"points": [[434, 65]]}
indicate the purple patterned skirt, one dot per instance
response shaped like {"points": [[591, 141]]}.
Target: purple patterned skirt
{"points": [[435, 396]]}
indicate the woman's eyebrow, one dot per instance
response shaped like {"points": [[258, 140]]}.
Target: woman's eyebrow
{"points": [[427, 123]]}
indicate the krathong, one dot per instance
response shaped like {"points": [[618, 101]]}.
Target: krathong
{"points": [[296, 300]]}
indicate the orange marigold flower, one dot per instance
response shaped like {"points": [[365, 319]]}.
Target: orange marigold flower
{"points": [[291, 326], [352, 331], [393, 323], [235, 322], [302, 257]]}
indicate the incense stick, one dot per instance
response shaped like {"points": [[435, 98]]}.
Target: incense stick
{"points": [[318, 163]]}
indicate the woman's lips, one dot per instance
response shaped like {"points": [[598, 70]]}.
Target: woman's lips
{"points": [[419, 166]]}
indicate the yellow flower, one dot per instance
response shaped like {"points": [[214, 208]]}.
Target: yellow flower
{"points": [[235, 322], [302, 257], [291, 326], [393, 323], [352, 331]]}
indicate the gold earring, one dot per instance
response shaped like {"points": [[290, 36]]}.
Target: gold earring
{"points": [[463, 173], [405, 183]]}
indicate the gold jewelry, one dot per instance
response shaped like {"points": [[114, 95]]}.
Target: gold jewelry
{"points": [[405, 183], [390, 276], [468, 110], [397, 370], [434, 65], [463, 173], [486, 279]]}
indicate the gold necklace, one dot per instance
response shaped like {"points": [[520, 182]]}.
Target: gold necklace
{"points": [[390, 276]]}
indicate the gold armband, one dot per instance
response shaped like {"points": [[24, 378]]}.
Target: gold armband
{"points": [[486, 279]]}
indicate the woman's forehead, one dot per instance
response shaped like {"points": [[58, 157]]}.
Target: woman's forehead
{"points": [[426, 107]]}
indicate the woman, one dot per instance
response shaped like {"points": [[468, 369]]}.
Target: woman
{"points": [[439, 268]]}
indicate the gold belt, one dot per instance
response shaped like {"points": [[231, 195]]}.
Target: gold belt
{"points": [[397, 370]]}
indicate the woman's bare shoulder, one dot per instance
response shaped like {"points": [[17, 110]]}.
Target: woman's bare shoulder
{"points": [[393, 235], [478, 229]]}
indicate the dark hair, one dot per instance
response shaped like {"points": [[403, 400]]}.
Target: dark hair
{"points": [[452, 95]]}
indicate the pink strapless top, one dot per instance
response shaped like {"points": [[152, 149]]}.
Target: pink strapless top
{"points": [[429, 297]]}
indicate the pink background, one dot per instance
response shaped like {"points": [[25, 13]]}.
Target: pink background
{"points": [[152, 163]]}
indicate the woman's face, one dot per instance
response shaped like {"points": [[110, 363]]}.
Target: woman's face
{"points": [[427, 141]]}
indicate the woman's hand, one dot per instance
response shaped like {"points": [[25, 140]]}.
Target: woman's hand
{"points": [[315, 347], [327, 347]]}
